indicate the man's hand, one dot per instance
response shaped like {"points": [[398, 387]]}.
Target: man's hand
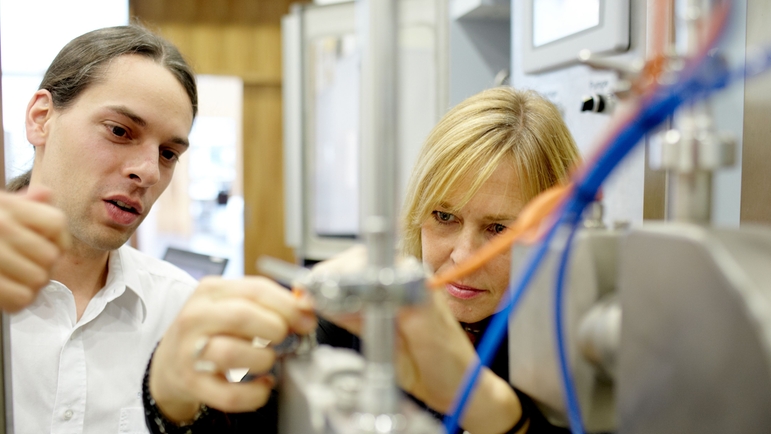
{"points": [[33, 235], [223, 326]]}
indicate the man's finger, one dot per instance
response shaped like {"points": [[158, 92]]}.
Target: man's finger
{"points": [[216, 392], [228, 352], [33, 246], [260, 290], [21, 269], [233, 316], [39, 194], [42, 218], [14, 296]]}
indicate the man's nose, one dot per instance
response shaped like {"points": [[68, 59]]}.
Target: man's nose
{"points": [[144, 166]]}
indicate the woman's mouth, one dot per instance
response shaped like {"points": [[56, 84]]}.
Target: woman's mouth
{"points": [[463, 292]]}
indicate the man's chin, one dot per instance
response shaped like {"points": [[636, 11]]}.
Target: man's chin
{"points": [[106, 240]]}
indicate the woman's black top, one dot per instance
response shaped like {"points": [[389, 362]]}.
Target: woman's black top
{"points": [[265, 419]]}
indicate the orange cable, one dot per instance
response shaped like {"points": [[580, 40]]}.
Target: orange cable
{"points": [[527, 223], [536, 211]]}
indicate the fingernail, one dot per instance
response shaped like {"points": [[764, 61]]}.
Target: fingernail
{"points": [[307, 322], [258, 342], [305, 303], [206, 366]]}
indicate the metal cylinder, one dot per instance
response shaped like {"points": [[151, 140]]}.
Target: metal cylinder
{"points": [[377, 22]]}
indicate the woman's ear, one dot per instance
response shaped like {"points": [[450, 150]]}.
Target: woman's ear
{"points": [[39, 112]]}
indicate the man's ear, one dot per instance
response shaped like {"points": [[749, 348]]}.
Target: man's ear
{"points": [[39, 111]]}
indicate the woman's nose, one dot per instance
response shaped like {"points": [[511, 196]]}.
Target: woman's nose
{"points": [[465, 245]]}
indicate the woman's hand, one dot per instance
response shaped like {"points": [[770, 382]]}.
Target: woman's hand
{"points": [[350, 261], [221, 328], [432, 357]]}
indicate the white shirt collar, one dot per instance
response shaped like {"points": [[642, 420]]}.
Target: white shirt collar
{"points": [[121, 275]]}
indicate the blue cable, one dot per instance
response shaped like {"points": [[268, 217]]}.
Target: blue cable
{"points": [[663, 104], [571, 397], [495, 331]]}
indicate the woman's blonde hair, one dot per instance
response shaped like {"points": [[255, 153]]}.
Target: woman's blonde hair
{"points": [[472, 139]]}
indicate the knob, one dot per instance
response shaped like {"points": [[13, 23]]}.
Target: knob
{"points": [[595, 103]]}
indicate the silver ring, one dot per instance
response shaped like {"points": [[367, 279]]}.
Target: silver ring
{"points": [[200, 346], [199, 365]]}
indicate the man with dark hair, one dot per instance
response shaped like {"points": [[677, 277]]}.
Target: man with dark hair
{"points": [[108, 123]]}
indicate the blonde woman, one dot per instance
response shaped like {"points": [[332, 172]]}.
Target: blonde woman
{"points": [[480, 165]]}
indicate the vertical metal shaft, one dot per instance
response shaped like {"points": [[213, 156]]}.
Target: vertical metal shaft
{"points": [[690, 190], [6, 393], [376, 20], [6, 399]]}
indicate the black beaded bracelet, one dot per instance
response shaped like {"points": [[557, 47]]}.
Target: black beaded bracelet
{"points": [[156, 421], [523, 418]]}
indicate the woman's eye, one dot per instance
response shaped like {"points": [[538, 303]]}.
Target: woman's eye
{"points": [[119, 131], [497, 228], [443, 217]]}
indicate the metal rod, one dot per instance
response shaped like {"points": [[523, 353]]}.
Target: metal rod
{"points": [[376, 20], [690, 189], [6, 399]]}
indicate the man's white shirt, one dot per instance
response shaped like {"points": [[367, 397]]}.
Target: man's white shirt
{"points": [[85, 376]]}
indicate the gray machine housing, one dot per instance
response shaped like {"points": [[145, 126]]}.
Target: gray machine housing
{"points": [[691, 350]]}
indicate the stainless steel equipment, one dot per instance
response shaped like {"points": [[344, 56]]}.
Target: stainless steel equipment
{"points": [[590, 333], [695, 353], [327, 390]]}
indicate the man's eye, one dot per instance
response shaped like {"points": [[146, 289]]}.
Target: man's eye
{"points": [[119, 131], [169, 155]]}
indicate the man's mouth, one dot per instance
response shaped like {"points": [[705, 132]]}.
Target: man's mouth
{"points": [[124, 206]]}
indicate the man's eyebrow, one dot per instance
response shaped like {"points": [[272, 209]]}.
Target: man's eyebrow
{"points": [[125, 111], [180, 141]]}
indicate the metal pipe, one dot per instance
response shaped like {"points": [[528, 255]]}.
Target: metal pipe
{"points": [[377, 21], [690, 186], [378, 32], [6, 399]]}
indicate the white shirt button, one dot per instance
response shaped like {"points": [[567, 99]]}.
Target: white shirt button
{"points": [[68, 415]]}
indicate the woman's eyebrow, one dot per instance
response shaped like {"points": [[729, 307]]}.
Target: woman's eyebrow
{"points": [[499, 217]]}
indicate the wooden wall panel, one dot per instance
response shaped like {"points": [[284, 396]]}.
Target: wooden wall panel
{"points": [[263, 173], [217, 49], [240, 38], [755, 151]]}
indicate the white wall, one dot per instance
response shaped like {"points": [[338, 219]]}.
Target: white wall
{"points": [[623, 191], [31, 34]]}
